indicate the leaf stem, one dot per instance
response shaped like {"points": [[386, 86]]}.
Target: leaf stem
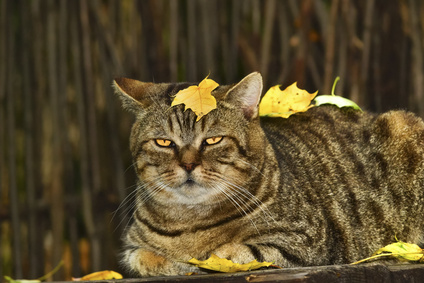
{"points": [[334, 85], [44, 277], [387, 254]]}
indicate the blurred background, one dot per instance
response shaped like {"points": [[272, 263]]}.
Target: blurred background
{"points": [[65, 166]]}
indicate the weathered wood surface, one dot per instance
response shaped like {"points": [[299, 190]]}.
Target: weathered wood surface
{"points": [[370, 273]]}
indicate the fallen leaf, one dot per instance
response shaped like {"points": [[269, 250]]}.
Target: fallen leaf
{"points": [[100, 275], [198, 98], [335, 100], [224, 265], [283, 103], [403, 251], [400, 250], [42, 278], [10, 280]]}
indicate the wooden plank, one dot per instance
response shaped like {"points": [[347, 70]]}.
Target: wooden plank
{"points": [[368, 273]]}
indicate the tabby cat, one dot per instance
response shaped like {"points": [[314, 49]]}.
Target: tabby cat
{"points": [[328, 186]]}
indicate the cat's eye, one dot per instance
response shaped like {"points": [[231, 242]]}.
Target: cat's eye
{"points": [[164, 142], [213, 140]]}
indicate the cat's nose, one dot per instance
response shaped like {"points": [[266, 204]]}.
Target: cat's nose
{"points": [[188, 166]]}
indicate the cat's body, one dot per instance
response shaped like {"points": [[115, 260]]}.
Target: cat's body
{"points": [[327, 186]]}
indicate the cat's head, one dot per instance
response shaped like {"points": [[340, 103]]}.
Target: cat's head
{"points": [[181, 161]]}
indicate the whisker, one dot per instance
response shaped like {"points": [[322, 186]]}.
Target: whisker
{"points": [[249, 196], [137, 197], [251, 166], [239, 208]]}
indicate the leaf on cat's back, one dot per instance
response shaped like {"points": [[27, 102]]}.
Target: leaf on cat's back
{"points": [[198, 98], [335, 100], [283, 103], [224, 265]]}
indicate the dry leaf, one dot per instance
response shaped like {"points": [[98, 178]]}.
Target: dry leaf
{"points": [[224, 265], [283, 103], [403, 251], [100, 275], [198, 98], [42, 278], [400, 250], [11, 280]]}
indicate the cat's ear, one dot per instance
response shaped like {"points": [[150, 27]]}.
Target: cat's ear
{"points": [[246, 94], [134, 94]]}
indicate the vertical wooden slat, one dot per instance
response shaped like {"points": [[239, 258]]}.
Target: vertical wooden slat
{"points": [[330, 42], [26, 58], [270, 10], [284, 40], [38, 95], [173, 39], [366, 50], [83, 70], [3, 161], [191, 41], [417, 57], [233, 39], [89, 96], [11, 98], [74, 231], [56, 193]]}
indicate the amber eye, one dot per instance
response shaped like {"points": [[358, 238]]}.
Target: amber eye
{"points": [[164, 143], [213, 140]]}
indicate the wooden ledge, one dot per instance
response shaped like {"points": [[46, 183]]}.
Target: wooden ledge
{"points": [[371, 273]]}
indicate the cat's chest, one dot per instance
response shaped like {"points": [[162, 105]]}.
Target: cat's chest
{"points": [[197, 240]]}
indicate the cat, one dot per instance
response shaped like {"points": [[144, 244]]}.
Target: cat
{"points": [[327, 186]]}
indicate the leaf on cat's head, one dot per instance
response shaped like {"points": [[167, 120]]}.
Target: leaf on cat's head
{"points": [[198, 98], [224, 265], [283, 103]]}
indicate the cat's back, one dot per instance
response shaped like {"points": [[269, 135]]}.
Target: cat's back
{"points": [[329, 131], [362, 173]]}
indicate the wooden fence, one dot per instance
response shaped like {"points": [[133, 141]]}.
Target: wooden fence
{"points": [[64, 163]]}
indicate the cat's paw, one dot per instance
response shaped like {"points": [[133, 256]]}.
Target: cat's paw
{"points": [[237, 253], [148, 263]]}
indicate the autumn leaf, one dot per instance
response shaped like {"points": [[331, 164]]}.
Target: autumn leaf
{"points": [[198, 98], [283, 103], [400, 250], [100, 275], [224, 265], [42, 278], [10, 280], [335, 100]]}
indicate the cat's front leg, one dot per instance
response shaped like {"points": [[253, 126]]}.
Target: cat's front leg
{"points": [[237, 253], [148, 263]]}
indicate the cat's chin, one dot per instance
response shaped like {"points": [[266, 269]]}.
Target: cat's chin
{"points": [[191, 193]]}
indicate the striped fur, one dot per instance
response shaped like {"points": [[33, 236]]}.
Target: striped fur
{"points": [[327, 186]]}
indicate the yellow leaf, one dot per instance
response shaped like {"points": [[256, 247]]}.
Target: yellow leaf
{"points": [[11, 280], [100, 275], [42, 278], [283, 103], [403, 251], [224, 265], [198, 98]]}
